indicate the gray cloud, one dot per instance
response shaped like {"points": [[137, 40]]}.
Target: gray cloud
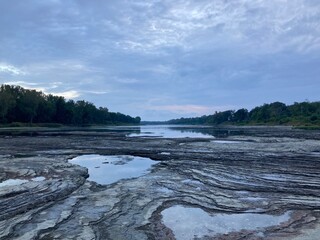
{"points": [[157, 59]]}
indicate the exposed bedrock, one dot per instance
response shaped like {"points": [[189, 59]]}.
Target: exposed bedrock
{"points": [[270, 181]]}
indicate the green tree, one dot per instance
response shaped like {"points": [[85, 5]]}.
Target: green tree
{"points": [[241, 115], [7, 102], [29, 103]]}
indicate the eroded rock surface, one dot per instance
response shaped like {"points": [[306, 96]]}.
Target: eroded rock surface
{"points": [[266, 171]]}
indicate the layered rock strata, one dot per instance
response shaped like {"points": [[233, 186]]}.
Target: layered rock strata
{"points": [[43, 195]]}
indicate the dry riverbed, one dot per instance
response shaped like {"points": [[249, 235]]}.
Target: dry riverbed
{"points": [[244, 183]]}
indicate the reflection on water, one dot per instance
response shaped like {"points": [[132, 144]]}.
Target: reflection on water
{"points": [[225, 141], [188, 223], [178, 131], [14, 182], [168, 131], [110, 169]]}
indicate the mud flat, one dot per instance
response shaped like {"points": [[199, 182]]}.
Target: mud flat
{"points": [[240, 183]]}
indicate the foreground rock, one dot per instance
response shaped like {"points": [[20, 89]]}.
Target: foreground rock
{"points": [[268, 178]]}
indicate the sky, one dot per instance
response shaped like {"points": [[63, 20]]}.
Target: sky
{"points": [[164, 59]]}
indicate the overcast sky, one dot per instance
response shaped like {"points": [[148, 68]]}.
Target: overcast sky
{"points": [[163, 59]]}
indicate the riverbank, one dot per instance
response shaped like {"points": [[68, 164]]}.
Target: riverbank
{"points": [[253, 174]]}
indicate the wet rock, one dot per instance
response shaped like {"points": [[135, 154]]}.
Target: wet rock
{"points": [[269, 172]]}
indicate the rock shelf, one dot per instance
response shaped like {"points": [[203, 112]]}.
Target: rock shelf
{"points": [[272, 172]]}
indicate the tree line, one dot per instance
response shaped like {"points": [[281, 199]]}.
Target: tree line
{"points": [[30, 106], [277, 113]]}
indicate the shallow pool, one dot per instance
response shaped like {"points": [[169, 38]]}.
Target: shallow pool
{"points": [[110, 169], [188, 223], [225, 141], [17, 181]]}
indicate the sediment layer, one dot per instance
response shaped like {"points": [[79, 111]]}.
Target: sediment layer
{"points": [[264, 172]]}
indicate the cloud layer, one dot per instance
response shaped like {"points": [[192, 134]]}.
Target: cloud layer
{"points": [[164, 59]]}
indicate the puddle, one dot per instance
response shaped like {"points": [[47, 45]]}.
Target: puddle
{"points": [[188, 223], [225, 141], [14, 182], [38, 179], [110, 169]]}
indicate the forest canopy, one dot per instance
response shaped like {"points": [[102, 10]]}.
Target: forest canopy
{"points": [[30, 106], [277, 113]]}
